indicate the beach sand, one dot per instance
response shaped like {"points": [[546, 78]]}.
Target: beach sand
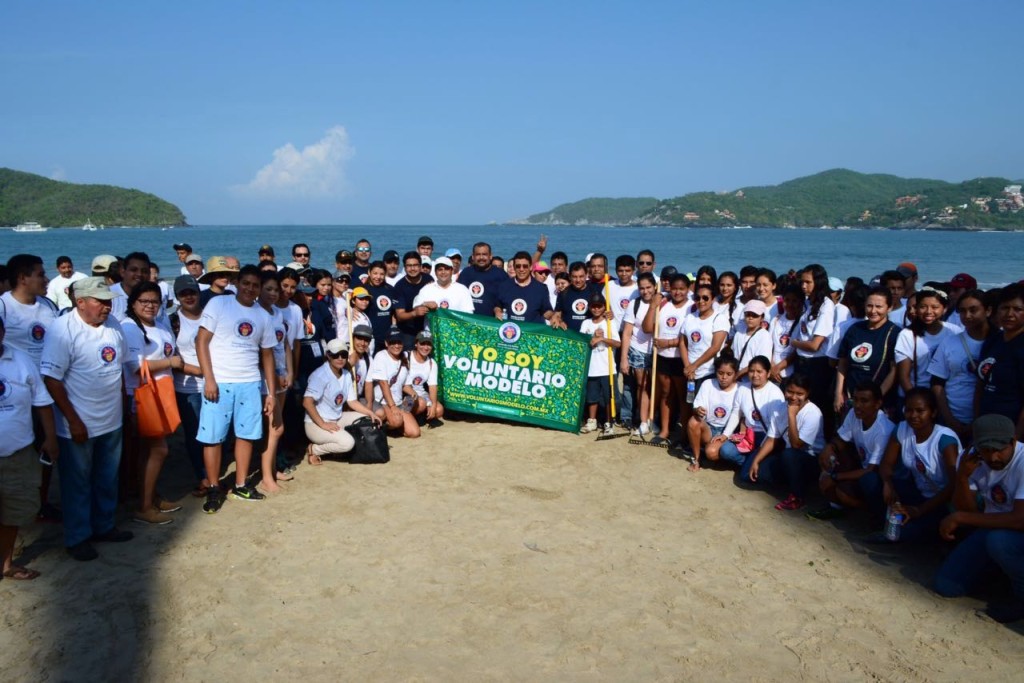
{"points": [[489, 551]]}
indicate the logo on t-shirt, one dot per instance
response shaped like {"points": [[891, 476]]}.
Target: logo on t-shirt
{"points": [[418, 381], [623, 304], [579, 306], [784, 340], [720, 412], [168, 349], [803, 328], [509, 333], [861, 352], [985, 368], [339, 398], [518, 306], [862, 452], [756, 415], [279, 334], [671, 322], [476, 290], [443, 304], [920, 466], [998, 494], [696, 336], [362, 278], [245, 329], [5, 388], [37, 332], [108, 354], [384, 302]]}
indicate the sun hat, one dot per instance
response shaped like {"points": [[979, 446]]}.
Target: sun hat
{"points": [[183, 246], [266, 249], [342, 275], [755, 306], [393, 333], [425, 336], [993, 431], [390, 255], [835, 284], [93, 288], [216, 266], [103, 263], [596, 300], [907, 269]]}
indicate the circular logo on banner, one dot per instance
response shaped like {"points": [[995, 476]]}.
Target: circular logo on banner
{"points": [[476, 290], [985, 367], [5, 388], [861, 352], [784, 340], [244, 329], [108, 354], [671, 322], [695, 336], [384, 302], [998, 494], [579, 306], [509, 333], [339, 398], [168, 349], [518, 306], [444, 304], [37, 332], [719, 412]]}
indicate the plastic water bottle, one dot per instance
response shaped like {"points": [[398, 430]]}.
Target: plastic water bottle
{"points": [[893, 522], [691, 391]]}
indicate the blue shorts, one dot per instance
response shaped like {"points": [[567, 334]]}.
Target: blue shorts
{"points": [[638, 359], [240, 405]]}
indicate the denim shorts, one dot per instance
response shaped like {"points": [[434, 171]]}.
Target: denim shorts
{"points": [[638, 359], [241, 405]]}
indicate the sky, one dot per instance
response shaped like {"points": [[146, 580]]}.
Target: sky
{"points": [[468, 112]]}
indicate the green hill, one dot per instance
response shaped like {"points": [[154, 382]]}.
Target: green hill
{"points": [[595, 211], [839, 197], [28, 197]]}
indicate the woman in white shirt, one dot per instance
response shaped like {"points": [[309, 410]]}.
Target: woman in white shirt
{"points": [[636, 349], [752, 337], [702, 337], [954, 365], [146, 340], [813, 334], [270, 292], [759, 405], [916, 344], [665, 320], [711, 411]]}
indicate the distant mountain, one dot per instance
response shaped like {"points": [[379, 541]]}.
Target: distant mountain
{"points": [[595, 211], [28, 197], [839, 197]]}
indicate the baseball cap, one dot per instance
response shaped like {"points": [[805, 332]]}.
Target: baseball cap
{"points": [[266, 249], [184, 283], [453, 252], [754, 306], [668, 271], [963, 281], [103, 263], [993, 431], [596, 300], [424, 240], [393, 333], [360, 293], [336, 346], [343, 256], [541, 267], [390, 255], [342, 275], [193, 258], [362, 331], [183, 246], [835, 284], [425, 336], [444, 261], [93, 288], [427, 263], [907, 269], [297, 267]]}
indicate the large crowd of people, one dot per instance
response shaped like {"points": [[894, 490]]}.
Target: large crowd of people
{"points": [[885, 396]]}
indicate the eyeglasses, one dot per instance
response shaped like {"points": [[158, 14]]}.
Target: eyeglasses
{"points": [[645, 263], [148, 302], [518, 266], [413, 264], [364, 249]]}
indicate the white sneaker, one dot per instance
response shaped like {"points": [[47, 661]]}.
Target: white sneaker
{"points": [[645, 428], [590, 426], [609, 429]]}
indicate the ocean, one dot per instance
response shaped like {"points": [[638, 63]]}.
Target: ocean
{"points": [[993, 258]]}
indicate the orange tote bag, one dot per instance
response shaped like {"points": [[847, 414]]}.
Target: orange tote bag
{"points": [[155, 404]]}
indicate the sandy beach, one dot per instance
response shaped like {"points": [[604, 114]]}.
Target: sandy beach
{"points": [[488, 551]]}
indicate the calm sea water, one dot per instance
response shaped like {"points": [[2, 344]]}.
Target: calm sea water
{"points": [[994, 258]]}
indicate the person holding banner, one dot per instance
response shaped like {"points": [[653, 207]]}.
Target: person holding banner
{"points": [[443, 292], [522, 299], [602, 336]]}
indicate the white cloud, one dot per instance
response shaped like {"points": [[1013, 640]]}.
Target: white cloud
{"points": [[58, 173], [317, 171]]}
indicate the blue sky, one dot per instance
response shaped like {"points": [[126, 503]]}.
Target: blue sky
{"points": [[466, 112]]}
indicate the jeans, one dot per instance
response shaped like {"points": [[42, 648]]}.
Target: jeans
{"points": [[769, 472], [88, 485], [983, 550], [730, 454], [799, 468], [189, 406], [921, 529], [624, 399]]}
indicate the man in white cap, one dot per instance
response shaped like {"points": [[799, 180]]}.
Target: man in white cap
{"points": [[443, 292], [81, 367]]}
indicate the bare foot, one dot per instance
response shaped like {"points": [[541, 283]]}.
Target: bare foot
{"points": [[694, 467], [284, 476], [311, 457], [270, 486]]}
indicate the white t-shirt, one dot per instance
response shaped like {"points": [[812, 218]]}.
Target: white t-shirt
{"points": [[330, 393], [26, 325], [391, 370], [280, 338], [639, 340], [160, 346], [421, 375], [747, 346], [926, 347], [670, 323], [294, 325], [239, 332], [621, 298], [952, 363], [821, 326], [924, 459], [781, 349], [735, 319], [21, 388], [759, 408], [870, 444], [717, 403], [699, 333], [57, 290], [454, 297], [837, 336], [88, 361], [898, 316], [599, 366], [188, 330], [1000, 488], [809, 424]]}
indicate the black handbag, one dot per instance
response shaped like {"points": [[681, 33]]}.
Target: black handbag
{"points": [[371, 443]]}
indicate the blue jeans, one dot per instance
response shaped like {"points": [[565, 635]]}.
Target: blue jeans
{"points": [[977, 554], [729, 453], [921, 529], [799, 468], [625, 399], [769, 472], [189, 406], [88, 485]]}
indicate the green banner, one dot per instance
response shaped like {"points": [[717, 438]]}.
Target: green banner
{"points": [[517, 371]]}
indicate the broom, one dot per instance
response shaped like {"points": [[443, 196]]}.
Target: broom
{"points": [[639, 440], [611, 366]]}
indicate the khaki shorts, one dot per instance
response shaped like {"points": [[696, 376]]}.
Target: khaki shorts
{"points": [[19, 487]]}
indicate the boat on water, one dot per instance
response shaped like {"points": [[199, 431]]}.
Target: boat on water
{"points": [[89, 226], [30, 226]]}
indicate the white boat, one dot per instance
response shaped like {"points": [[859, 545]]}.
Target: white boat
{"points": [[30, 226], [89, 226]]}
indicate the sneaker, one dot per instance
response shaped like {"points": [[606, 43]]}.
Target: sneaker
{"points": [[791, 503], [83, 552], [49, 513], [645, 428], [435, 423], [826, 513], [153, 516], [214, 499], [115, 535], [246, 493], [164, 505], [1007, 613], [590, 426], [608, 429]]}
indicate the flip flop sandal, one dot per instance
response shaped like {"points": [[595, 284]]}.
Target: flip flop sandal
{"points": [[16, 573]]}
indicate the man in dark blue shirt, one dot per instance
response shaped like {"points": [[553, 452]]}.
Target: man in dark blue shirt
{"points": [[483, 280], [382, 305], [409, 323], [571, 307], [522, 299]]}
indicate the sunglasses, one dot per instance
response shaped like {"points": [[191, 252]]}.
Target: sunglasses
{"points": [[364, 249], [306, 255], [389, 342], [645, 263], [339, 354], [704, 298]]}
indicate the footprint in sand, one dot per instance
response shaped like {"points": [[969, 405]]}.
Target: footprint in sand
{"points": [[539, 494]]}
